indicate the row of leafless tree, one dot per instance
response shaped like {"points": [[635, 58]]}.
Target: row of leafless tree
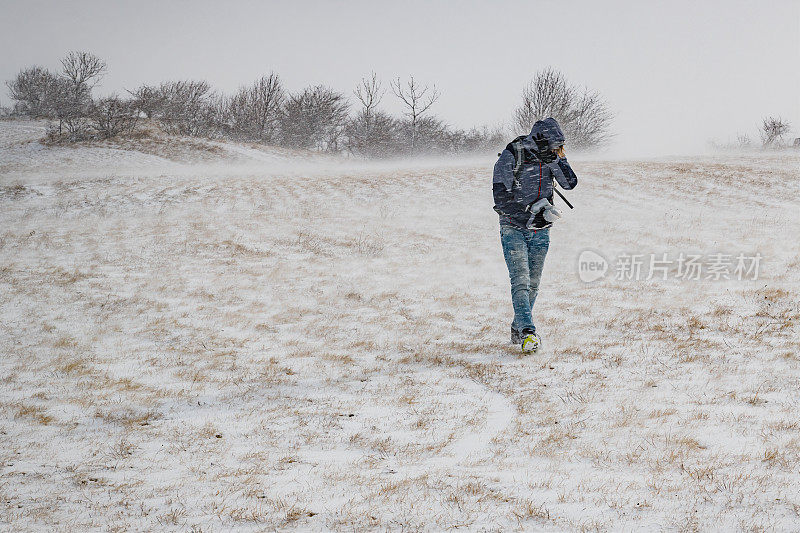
{"points": [[316, 118]]}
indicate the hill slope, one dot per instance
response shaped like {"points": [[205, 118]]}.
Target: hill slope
{"points": [[185, 347]]}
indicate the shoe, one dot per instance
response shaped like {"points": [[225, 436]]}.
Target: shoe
{"points": [[530, 342], [516, 338]]}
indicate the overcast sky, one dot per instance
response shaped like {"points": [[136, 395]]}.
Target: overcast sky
{"points": [[676, 73]]}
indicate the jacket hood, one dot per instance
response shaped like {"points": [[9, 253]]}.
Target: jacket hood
{"points": [[546, 135]]}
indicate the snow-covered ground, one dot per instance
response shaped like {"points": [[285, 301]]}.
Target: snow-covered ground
{"points": [[242, 345]]}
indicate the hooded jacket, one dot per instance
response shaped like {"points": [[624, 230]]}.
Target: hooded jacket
{"points": [[539, 168]]}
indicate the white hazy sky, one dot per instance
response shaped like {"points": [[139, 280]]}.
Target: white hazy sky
{"points": [[676, 73]]}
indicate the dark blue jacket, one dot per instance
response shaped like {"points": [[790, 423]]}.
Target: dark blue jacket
{"points": [[535, 178]]}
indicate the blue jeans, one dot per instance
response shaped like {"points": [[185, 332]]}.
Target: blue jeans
{"points": [[524, 251]]}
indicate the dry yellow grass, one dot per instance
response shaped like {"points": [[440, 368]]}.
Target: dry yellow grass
{"points": [[328, 352]]}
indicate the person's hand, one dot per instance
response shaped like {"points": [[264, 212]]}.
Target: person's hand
{"points": [[560, 151]]}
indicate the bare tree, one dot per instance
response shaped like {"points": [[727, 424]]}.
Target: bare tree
{"points": [[772, 131], [583, 114], [588, 124], [35, 91], [111, 116], [547, 95], [417, 103], [370, 93], [82, 71], [315, 118], [370, 132], [254, 112]]}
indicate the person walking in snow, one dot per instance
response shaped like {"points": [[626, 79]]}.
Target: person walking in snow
{"points": [[523, 197]]}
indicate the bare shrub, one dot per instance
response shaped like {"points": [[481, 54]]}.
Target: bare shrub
{"points": [[583, 114], [190, 107], [212, 121], [478, 140], [772, 131], [428, 135], [373, 134], [254, 112], [111, 116], [743, 141], [148, 100], [315, 119], [184, 106]]}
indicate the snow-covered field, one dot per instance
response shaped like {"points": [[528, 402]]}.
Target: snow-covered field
{"points": [[241, 345]]}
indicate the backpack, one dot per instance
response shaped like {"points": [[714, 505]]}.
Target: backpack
{"points": [[517, 149]]}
